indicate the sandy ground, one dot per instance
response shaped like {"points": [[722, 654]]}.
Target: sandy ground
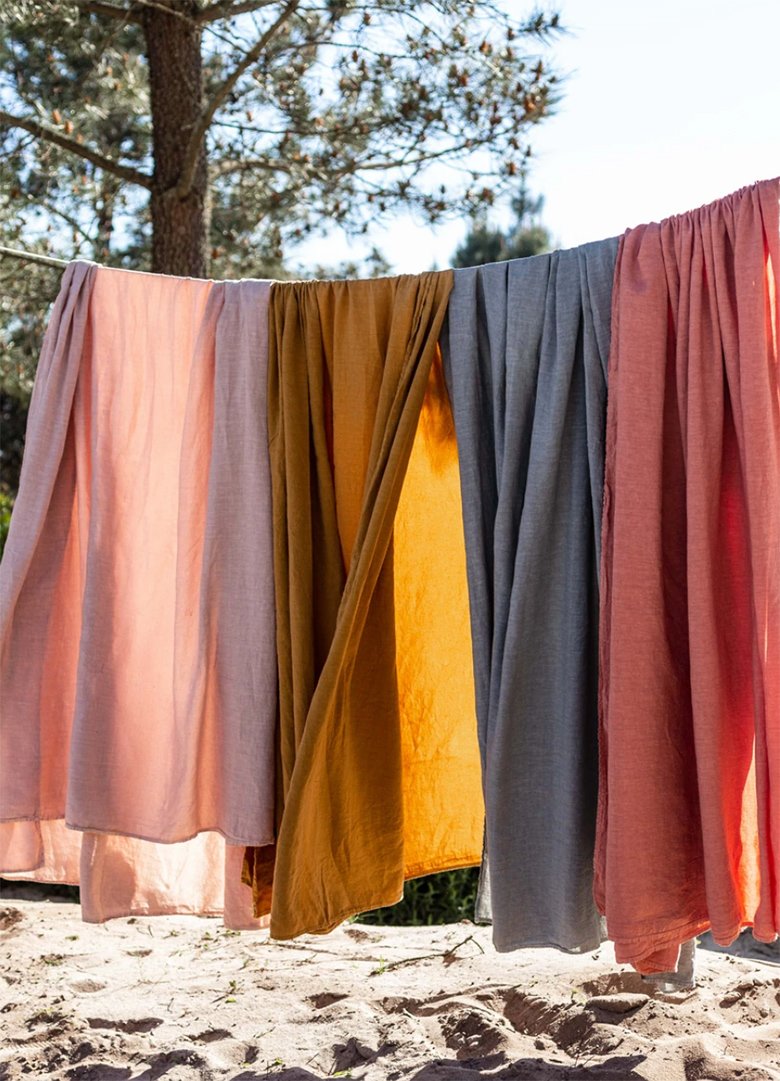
{"points": [[181, 997]]}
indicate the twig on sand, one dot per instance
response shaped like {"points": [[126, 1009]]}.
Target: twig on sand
{"points": [[450, 953]]}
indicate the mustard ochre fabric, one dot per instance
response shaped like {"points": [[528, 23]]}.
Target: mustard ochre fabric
{"points": [[378, 765]]}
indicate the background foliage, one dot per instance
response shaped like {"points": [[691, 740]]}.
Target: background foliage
{"points": [[311, 115]]}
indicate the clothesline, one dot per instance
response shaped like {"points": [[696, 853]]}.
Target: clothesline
{"points": [[44, 260], [33, 257]]}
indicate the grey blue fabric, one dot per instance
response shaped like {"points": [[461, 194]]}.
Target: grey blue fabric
{"points": [[525, 348]]}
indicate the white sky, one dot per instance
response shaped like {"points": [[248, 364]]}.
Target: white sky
{"points": [[669, 104]]}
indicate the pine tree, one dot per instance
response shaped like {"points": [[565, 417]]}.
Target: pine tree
{"points": [[526, 236], [209, 125], [209, 137]]}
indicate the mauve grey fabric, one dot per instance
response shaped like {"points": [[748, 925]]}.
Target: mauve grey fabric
{"points": [[137, 619], [525, 347]]}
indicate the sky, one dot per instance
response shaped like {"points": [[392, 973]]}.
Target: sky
{"points": [[667, 104]]}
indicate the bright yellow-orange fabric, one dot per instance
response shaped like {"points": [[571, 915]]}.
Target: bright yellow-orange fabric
{"points": [[442, 787], [379, 775]]}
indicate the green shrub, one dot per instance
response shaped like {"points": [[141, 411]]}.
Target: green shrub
{"points": [[443, 898], [6, 506]]}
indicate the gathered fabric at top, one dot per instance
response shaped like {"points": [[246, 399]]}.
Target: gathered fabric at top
{"points": [[378, 770], [689, 795]]}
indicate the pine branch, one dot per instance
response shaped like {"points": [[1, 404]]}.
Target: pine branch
{"points": [[182, 16], [226, 9], [193, 148], [239, 165], [420, 159], [51, 135], [75, 225], [111, 11]]}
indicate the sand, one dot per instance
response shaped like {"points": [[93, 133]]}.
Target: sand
{"points": [[182, 998]]}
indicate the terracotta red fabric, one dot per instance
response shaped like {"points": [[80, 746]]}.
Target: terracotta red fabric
{"points": [[689, 815]]}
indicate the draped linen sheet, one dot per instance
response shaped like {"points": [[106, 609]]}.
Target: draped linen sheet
{"points": [[689, 806], [138, 663], [526, 346], [378, 759]]}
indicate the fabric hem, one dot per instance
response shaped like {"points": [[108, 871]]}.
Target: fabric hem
{"points": [[453, 864], [649, 945], [546, 944], [669, 932], [335, 921], [456, 863], [111, 832], [28, 875], [167, 910]]}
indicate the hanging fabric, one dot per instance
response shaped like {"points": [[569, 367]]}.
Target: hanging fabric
{"points": [[379, 776], [689, 807], [217, 471], [526, 346], [138, 637]]}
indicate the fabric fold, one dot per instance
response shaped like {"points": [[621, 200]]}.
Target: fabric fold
{"points": [[352, 369], [526, 346], [138, 657], [689, 807]]}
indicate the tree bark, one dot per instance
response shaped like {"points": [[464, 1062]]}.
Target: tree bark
{"points": [[179, 225]]}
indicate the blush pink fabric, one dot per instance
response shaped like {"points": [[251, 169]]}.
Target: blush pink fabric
{"points": [[122, 876], [137, 634], [689, 816]]}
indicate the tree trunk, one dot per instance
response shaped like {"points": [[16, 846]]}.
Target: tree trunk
{"points": [[179, 226]]}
